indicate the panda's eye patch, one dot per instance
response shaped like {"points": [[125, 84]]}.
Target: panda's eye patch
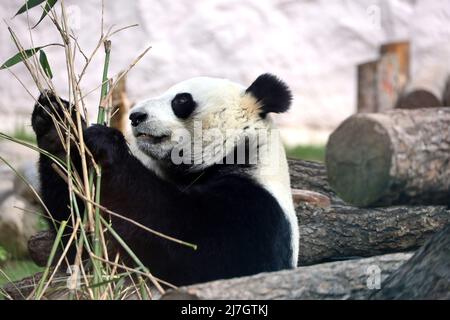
{"points": [[183, 105]]}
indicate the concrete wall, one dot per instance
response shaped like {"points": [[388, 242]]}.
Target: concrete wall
{"points": [[313, 44]]}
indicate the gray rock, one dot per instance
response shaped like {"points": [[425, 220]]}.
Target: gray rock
{"points": [[18, 204], [29, 172], [17, 224]]}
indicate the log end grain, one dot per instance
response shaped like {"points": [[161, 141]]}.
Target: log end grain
{"points": [[418, 99], [358, 160]]}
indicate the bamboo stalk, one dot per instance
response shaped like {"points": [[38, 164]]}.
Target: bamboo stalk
{"points": [[104, 91], [98, 248], [40, 287], [92, 225]]}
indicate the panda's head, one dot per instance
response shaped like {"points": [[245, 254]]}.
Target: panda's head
{"points": [[198, 122]]}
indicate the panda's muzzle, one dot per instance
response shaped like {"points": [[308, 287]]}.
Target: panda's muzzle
{"points": [[138, 118], [150, 138]]}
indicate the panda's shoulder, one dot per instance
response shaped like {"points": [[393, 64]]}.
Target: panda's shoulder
{"points": [[237, 191]]}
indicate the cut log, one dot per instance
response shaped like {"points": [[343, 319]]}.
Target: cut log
{"points": [[337, 280], [398, 157], [446, 97], [342, 232], [425, 88], [381, 82], [311, 175], [334, 231], [425, 276], [367, 87], [393, 74], [418, 98], [355, 279]]}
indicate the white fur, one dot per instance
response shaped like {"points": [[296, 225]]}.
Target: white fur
{"points": [[273, 175]]}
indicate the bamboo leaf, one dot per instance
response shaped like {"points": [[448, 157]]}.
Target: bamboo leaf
{"points": [[19, 57], [28, 5], [48, 6], [44, 64]]}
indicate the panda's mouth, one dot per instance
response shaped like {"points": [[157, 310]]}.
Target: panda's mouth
{"points": [[151, 138]]}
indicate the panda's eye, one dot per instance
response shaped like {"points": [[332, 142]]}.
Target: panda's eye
{"points": [[183, 105], [182, 98]]}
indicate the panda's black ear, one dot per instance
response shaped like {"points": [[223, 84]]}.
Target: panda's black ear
{"points": [[272, 93]]}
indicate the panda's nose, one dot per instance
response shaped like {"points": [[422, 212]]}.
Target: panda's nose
{"points": [[137, 118]]}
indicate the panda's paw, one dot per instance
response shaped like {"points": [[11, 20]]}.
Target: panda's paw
{"points": [[47, 107], [107, 145], [48, 110]]}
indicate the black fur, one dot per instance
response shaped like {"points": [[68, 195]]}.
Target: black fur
{"points": [[54, 189], [53, 186], [238, 226], [272, 93], [183, 105]]}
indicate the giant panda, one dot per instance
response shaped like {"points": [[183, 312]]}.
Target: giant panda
{"points": [[194, 187]]}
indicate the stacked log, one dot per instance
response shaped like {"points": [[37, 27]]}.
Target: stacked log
{"points": [[341, 230], [397, 157], [335, 280], [426, 88], [393, 73], [425, 276], [367, 87], [381, 82], [386, 82]]}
